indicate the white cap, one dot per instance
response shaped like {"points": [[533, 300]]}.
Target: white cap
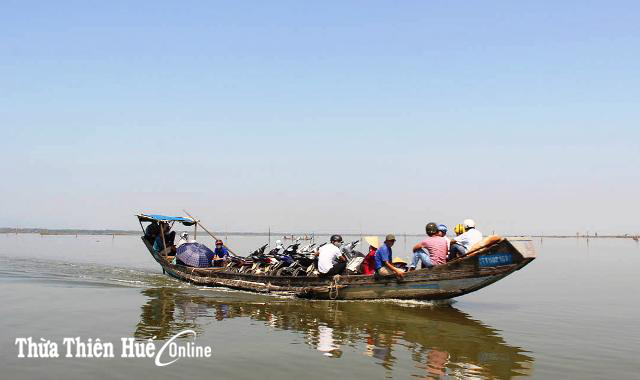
{"points": [[278, 242], [469, 223]]}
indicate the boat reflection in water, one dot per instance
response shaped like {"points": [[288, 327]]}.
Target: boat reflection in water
{"points": [[441, 340]]}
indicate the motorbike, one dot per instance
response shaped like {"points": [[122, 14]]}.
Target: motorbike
{"points": [[282, 260], [241, 264], [354, 258], [299, 265]]}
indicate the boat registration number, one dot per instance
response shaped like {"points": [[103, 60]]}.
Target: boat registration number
{"points": [[495, 260]]}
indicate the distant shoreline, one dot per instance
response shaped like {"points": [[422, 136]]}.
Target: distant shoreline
{"points": [[85, 232], [46, 231]]}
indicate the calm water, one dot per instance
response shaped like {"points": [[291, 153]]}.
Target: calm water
{"points": [[572, 313]]}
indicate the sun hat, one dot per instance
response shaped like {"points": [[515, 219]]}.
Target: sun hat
{"points": [[397, 260], [373, 241]]}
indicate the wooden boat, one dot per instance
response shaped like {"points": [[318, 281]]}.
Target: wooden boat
{"points": [[482, 266]]}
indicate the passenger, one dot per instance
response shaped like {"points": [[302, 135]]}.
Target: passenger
{"points": [[369, 263], [384, 259], [330, 258], [460, 244], [279, 244], [184, 238], [400, 264], [458, 230], [432, 250], [169, 236], [220, 253], [442, 231]]}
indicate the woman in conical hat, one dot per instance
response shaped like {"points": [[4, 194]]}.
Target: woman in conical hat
{"points": [[399, 263], [369, 264]]}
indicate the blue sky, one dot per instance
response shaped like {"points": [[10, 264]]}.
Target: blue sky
{"points": [[322, 116]]}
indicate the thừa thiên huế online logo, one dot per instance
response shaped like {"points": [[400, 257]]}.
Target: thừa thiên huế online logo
{"points": [[169, 352]]}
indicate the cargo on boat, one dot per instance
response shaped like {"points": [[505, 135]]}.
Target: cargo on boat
{"points": [[482, 266]]}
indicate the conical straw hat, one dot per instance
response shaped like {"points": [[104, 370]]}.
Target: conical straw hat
{"points": [[398, 260], [373, 241]]}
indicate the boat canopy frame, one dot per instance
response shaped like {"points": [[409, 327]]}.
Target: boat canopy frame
{"points": [[157, 218], [163, 218]]}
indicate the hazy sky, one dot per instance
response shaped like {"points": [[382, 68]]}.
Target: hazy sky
{"points": [[321, 116]]}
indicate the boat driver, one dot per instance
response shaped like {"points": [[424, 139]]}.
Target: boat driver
{"points": [[160, 243]]}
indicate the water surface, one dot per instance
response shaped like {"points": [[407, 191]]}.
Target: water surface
{"points": [[571, 313]]}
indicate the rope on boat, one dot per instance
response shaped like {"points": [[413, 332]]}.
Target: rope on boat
{"points": [[333, 287]]}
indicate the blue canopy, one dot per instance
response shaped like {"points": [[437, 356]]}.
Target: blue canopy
{"points": [[163, 218]]}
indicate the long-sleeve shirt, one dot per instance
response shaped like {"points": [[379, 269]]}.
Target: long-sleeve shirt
{"points": [[221, 252], [369, 263]]}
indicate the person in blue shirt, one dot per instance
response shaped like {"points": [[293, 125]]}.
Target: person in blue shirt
{"points": [[220, 253], [384, 258]]}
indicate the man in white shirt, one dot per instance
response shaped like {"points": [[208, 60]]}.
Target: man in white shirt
{"points": [[461, 244], [330, 258]]}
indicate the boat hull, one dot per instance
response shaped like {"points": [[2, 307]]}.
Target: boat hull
{"points": [[478, 269]]}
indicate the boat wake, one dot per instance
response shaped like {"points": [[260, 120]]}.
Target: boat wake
{"points": [[61, 273], [408, 303]]}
